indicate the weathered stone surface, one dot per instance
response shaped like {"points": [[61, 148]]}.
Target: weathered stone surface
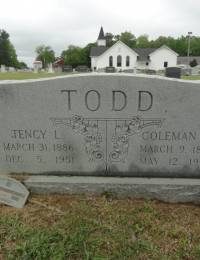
{"points": [[13, 192], [163, 189], [101, 124]]}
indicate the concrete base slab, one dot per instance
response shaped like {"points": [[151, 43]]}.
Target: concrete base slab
{"points": [[163, 189]]}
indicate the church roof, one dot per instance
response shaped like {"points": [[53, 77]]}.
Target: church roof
{"points": [[144, 52], [97, 51], [101, 34]]}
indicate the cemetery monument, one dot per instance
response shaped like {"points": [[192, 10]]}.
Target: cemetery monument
{"points": [[133, 135]]}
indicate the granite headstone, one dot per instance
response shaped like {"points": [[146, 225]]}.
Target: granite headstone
{"points": [[82, 68], [110, 69], [173, 72], [101, 124], [67, 68]]}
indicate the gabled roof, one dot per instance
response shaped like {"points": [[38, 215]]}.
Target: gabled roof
{"points": [[125, 45], [144, 52], [166, 47], [101, 34], [97, 51]]}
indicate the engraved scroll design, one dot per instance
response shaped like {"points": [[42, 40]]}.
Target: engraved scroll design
{"points": [[90, 130], [123, 130]]}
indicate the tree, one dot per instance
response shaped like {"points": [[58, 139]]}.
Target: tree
{"points": [[45, 54], [13, 56], [22, 65], [143, 41], [4, 48], [181, 46], [8, 54], [116, 37], [109, 39], [193, 63], [160, 41], [75, 56], [195, 46], [86, 51], [128, 38], [171, 43]]}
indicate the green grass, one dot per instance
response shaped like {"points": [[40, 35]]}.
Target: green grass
{"points": [[28, 75], [100, 229], [191, 77], [32, 75]]}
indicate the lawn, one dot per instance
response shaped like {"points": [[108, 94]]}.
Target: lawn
{"points": [[32, 75], [28, 75], [103, 228], [191, 77]]}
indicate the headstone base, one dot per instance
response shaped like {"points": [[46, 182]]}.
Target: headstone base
{"points": [[164, 189]]}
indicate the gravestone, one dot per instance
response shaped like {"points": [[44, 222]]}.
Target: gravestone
{"points": [[3, 68], [186, 71], [12, 192], [37, 65], [195, 71], [173, 72], [82, 68], [150, 72], [11, 69], [50, 68], [67, 68], [110, 125], [110, 69]]}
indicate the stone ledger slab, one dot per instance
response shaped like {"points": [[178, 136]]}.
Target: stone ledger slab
{"points": [[163, 189], [101, 125]]}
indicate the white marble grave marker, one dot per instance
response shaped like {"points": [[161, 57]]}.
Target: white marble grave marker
{"points": [[12, 192]]}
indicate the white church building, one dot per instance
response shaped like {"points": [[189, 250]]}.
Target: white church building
{"points": [[123, 57]]}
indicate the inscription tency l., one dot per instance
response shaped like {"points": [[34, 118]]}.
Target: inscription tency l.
{"points": [[124, 128]]}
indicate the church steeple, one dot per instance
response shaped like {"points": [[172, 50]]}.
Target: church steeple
{"points": [[101, 41], [101, 34]]}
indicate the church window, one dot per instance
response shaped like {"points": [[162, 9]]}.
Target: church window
{"points": [[119, 61], [111, 61], [127, 61], [165, 64]]}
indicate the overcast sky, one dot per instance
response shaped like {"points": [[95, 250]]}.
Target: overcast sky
{"points": [[59, 23]]}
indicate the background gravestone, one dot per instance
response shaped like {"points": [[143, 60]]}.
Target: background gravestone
{"points": [[173, 72], [3, 68], [110, 69], [50, 68], [67, 68], [82, 68]]}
